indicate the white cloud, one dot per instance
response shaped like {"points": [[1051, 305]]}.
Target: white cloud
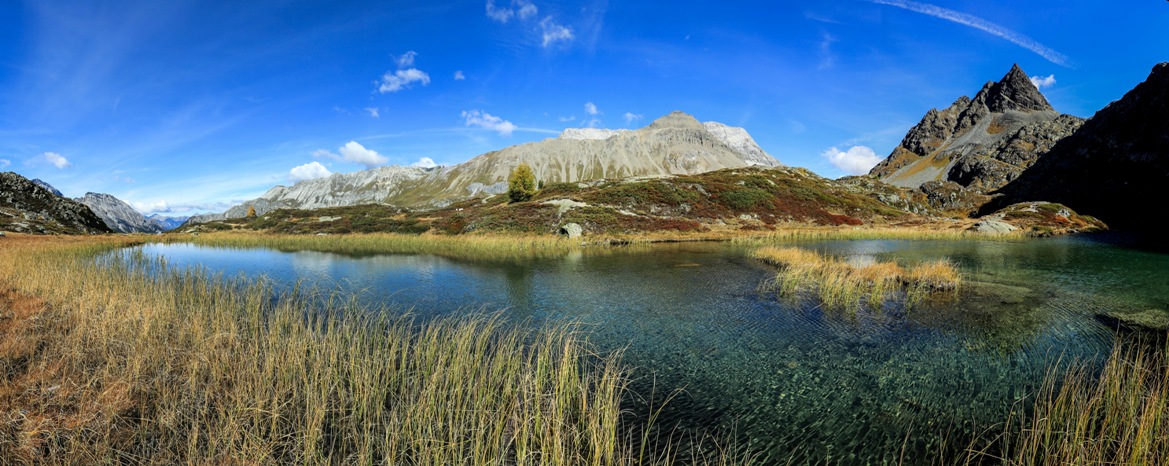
{"points": [[4, 163], [554, 32], [424, 162], [523, 9], [407, 59], [489, 121], [402, 79], [356, 153], [459, 76], [55, 160], [147, 208], [353, 152], [981, 24], [567, 118], [1042, 82], [372, 111], [858, 160], [591, 108], [308, 171], [631, 117], [593, 123]]}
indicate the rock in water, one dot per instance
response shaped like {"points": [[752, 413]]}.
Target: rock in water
{"points": [[571, 230]]}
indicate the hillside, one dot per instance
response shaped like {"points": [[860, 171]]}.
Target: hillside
{"points": [[29, 207], [674, 144], [1113, 165], [118, 215]]}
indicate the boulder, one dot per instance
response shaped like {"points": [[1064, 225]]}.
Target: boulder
{"points": [[993, 227], [571, 230]]}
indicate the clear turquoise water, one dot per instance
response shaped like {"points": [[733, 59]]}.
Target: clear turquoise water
{"points": [[793, 381]]}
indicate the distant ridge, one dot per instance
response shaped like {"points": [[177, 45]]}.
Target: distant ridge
{"points": [[676, 143]]}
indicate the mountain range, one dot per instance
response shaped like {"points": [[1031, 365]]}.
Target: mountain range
{"points": [[992, 156], [671, 145]]}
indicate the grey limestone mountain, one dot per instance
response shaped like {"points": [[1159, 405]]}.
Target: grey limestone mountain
{"points": [[674, 144], [168, 223], [118, 215], [980, 143], [26, 206], [46, 185]]}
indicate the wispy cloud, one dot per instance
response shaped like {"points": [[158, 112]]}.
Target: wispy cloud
{"points": [[827, 58], [857, 160], [354, 152], [459, 76], [424, 162], [554, 32], [372, 111], [489, 121], [631, 117], [591, 108], [308, 171], [405, 76], [4, 163], [983, 25], [522, 9], [1043, 82]]}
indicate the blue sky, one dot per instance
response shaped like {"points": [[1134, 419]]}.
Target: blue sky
{"points": [[184, 106]]}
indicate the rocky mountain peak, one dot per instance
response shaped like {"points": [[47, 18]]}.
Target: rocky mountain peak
{"points": [[677, 119], [1014, 92], [118, 215], [26, 206]]}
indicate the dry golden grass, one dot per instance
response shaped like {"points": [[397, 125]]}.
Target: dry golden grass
{"points": [[839, 284], [133, 362]]}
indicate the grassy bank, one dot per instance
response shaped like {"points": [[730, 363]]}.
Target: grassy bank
{"points": [[487, 247], [113, 364], [839, 284]]}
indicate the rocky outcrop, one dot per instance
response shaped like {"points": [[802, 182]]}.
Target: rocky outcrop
{"points": [[46, 185], [981, 143], [674, 144], [1155, 321], [118, 215], [28, 207], [1115, 166]]}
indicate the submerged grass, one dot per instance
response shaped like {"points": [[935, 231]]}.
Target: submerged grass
{"points": [[839, 284], [133, 362]]}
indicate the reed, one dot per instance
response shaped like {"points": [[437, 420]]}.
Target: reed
{"points": [[482, 247], [839, 284], [132, 361], [1119, 415]]}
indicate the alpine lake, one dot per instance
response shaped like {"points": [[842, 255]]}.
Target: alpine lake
{"points": [[784, 376]]}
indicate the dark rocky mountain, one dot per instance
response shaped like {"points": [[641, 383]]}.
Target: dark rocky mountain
{"points": [[28, 207], [981, 143], [1114, 167], [118, 215]]}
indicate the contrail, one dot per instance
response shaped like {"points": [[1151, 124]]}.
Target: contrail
{"points": [[979, 23]]}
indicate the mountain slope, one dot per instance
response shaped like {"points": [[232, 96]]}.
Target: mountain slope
{"points": [[118, 215], [167, 223], [1113, 165], [979, 143], [26, 206], [674, 144]]}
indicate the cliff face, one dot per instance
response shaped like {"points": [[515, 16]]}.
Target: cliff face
{"points": [[674, 144], [1113, 165], [981, 143], [29, 207], [118, 215]]}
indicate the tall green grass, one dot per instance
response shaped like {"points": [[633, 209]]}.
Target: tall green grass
{"points": [[839, 284], [136, 362], [891, 233]]}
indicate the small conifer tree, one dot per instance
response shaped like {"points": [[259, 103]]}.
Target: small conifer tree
{"points": [[251, 211], [521, 184]]}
